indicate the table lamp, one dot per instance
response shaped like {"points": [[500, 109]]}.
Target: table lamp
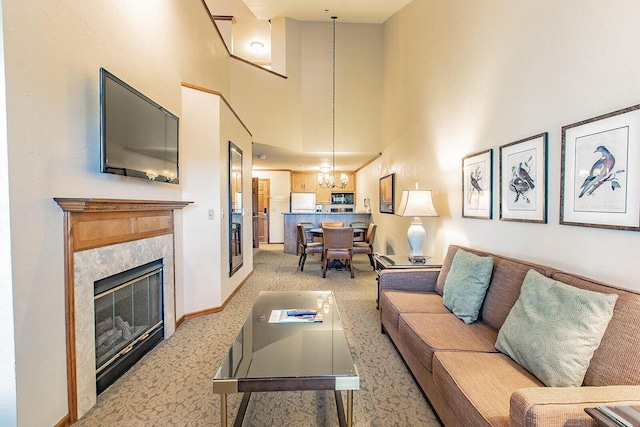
{"points": [[416, 203]]}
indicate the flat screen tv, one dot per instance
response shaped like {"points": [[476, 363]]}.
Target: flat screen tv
{"points": [[138, 137]]}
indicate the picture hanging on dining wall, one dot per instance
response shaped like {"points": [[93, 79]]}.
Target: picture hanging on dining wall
{"points": [[387, 193], [523, 180], [476, 185], [600, 171]]}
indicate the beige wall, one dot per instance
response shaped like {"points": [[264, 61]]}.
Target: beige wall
{"points": [[53, 51], [462, 77]]}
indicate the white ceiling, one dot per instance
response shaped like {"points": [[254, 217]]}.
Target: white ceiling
{"points": [[252, 23], [353, 11]]}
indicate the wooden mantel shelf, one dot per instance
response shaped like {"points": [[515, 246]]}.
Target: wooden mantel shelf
{"points": [[117, 205]]}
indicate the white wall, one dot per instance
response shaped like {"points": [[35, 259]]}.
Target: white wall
{"points": [[461, 77], [8, 398], [203, 184], [53, 51], [233, 130], [279, 186]]}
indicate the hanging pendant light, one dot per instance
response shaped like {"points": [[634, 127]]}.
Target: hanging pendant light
{"points": [[326, 180]]}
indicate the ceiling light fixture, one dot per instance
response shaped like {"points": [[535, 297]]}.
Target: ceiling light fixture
{"points": [[326, 180], [257, 46]]}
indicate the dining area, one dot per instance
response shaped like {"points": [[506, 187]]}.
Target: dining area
{"points": [[335, 243]]}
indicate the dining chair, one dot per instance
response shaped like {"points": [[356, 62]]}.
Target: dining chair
{"points": [[325, 224], [304, 247], [366, 247], [359, 237], [307, 228], [338, 245]]}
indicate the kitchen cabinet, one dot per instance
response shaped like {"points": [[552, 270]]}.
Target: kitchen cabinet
{"points": [[303, 182], [351, 184], [323, 195]]}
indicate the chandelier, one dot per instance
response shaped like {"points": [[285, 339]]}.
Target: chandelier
{"points": [[326, 179]]}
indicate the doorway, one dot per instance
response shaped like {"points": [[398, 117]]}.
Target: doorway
{"points": [[263, 209]]}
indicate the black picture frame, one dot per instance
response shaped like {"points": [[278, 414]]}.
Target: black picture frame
{"points": [[387, 193]]}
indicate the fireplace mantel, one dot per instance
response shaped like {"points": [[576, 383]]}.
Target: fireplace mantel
{"points": [[94, 223], [117, 205]]}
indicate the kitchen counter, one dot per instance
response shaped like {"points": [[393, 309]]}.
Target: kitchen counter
{"points": [[292, 219]]}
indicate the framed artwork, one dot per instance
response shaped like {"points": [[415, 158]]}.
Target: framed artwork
{"points": [[600, 171], [523, 180], [477, 177], [387, 193]]}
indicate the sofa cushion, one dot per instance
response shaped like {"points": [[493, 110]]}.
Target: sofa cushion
{"points": [[479, 385], [553, 329], [466, 285], [428, 333], [617, 360], [504, 287], [394, 303]]}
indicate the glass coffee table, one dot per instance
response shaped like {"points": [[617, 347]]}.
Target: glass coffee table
{"points": [[289, 356]]}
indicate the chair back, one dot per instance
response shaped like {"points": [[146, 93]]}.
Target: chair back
{"points": [[371, 234], [325, 224], [338, 238], [302, 235]]}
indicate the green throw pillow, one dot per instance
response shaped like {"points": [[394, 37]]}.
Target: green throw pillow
{"points": [[553, 329], [466, 285]]}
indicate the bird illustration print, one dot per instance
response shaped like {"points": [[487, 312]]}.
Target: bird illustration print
{"points": [[522, 181], [600, 172], [474, 178]]}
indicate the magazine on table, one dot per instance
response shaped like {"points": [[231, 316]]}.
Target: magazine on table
{"points": [[295, 315]]}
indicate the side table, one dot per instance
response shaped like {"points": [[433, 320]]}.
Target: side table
{"points": [[398, 262]]}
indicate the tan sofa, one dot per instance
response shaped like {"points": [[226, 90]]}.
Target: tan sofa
{"points": [[470, 383]]}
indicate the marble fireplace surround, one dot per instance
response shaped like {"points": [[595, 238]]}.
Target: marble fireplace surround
{"points": [[104, 237]]}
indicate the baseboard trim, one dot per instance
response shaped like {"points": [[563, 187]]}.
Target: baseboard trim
{"points": [[213, 309], [64, 422]]}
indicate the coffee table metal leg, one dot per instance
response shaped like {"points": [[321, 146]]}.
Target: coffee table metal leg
{"points": [[242, 410], [223, 410], [349, 408]]}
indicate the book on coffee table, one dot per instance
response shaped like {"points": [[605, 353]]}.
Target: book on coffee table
{"points": [[294, 315]]}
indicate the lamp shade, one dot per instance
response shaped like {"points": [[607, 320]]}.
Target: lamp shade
{"points": [[416, 203]]}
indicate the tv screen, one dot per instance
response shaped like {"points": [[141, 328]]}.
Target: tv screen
{"points": [[138, 137]]}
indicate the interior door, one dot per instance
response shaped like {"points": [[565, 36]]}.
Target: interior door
{"points": [[263, 210]]}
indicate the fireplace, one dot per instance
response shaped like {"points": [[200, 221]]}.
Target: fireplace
{"points": [[103, 238], [128, 320]]}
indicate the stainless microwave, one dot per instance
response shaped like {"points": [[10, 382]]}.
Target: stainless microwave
{"points": [[342, 199]]}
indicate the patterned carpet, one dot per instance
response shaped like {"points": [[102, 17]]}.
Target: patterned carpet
{"points": [[171, 385]]}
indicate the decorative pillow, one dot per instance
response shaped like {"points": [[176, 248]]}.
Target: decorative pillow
{"points": [[553, 329], [466, 285]]}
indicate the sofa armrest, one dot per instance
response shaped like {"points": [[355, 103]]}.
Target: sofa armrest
{"points": [[546, 406], [414, 280]]}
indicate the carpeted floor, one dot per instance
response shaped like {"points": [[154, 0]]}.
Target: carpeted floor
{"points": [[171, 385]]}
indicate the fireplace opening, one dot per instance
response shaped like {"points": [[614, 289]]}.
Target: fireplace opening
{"points": [[128, 320]]}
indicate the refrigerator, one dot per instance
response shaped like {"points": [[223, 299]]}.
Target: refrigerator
{"points": [[303, 202]]}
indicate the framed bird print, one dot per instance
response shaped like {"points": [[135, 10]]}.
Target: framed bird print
{"points": [[600, 173], [523, 180], [477, 177]]}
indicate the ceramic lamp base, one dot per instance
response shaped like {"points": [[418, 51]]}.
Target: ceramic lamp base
{"points": [[416, 236]]}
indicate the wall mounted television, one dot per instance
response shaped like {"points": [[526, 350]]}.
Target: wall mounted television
{"points": [[138, 137]]}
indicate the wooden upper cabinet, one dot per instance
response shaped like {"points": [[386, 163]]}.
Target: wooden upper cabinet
{"points": [[303, 182], [323, 195], [351, 184]]}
